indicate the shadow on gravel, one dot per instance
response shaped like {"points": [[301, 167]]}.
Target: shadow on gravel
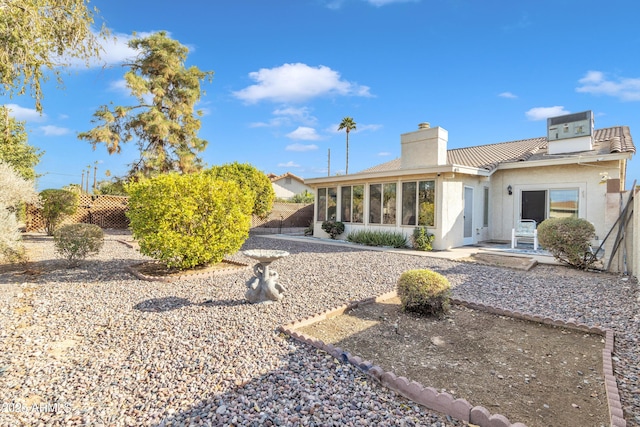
{"points": [[158, 305]]}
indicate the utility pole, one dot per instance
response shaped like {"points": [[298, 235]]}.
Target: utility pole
{"points": [[88, 175], [328, 161], [82, 182]]}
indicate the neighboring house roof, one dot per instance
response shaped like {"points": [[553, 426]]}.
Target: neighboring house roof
{"points": [[273, 177], [606, 141]]}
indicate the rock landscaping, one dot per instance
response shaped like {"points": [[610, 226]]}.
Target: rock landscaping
{"points": [[95, 345]]}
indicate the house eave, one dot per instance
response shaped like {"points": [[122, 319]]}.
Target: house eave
{"points": [[397, 173]]}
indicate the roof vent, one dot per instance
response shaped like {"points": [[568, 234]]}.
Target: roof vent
{"points": [[424, 125]]}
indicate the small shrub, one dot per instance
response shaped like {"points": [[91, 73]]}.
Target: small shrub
{"points": [[189, 220], [56, 204], [568, 239], [74, 242], [422, 240], [333, 228], [309, 230], [424, 292], [304, 197], [391, 239]]}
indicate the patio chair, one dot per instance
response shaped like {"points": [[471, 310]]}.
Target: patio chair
{"points": [[525, 229]]}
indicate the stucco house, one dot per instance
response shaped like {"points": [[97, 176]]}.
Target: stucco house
{"points": [[288, 185], [468, 195]]}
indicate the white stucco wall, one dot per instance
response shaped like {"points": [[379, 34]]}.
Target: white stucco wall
{"points": [[286, 191], [505, 208]]}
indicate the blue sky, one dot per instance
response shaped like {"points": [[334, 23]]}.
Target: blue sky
{"points": [[287, 72]]}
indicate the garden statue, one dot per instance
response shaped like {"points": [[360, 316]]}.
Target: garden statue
{"points": [[264, 287]]}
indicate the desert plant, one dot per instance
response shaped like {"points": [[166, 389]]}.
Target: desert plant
{"points": [[568, 239], [190, 220], [422, 240], [424, 292], [333, 228], [56, 204], [15, 191], [391, 239], [75, 242]]}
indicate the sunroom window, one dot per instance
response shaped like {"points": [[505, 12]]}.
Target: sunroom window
{"points": [[418, 203], [327, 203], [352, 203]]}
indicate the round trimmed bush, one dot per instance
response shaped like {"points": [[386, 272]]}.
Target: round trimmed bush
{"points": [[424, 292], [568, 239], [191, 220], [74, 242]]}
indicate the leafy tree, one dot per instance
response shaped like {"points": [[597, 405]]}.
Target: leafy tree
{"points": [[347, 124], [251, 181], [43, 35], [164, 122], [14, 149], [113, 187], [56, 204]]}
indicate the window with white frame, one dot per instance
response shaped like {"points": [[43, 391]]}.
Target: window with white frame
{"points": [[382, 203], [352, 203], [418, 203], [327, 203], [563, 203]]}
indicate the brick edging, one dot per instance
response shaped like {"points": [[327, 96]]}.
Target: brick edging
{"points": [[444, 402]]}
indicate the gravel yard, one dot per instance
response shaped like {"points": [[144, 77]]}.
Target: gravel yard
{"points": [[96, 346]]}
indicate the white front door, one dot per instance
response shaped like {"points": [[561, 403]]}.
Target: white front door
{"points": [[468, 216]]}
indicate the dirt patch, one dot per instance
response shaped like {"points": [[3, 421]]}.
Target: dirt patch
{"points": [[517, 262], [529, 372]]}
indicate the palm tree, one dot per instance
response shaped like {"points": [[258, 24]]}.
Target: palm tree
{"points": [[348, 124]]}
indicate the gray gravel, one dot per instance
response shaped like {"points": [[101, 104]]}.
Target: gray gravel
{"points": [[110, 349]]}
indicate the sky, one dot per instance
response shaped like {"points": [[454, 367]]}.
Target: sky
{"points": [[287, 72]]}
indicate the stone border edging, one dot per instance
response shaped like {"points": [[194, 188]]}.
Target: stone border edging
{"points": [[444, 402]]}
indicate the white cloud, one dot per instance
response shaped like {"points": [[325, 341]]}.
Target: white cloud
{"points": [[51, 130], [542, 113], [27, 114], [290, 164], [384, 154], [113, 50], [297, 83], [301, 147], [508, 95], [304, 133], [596, 83]]}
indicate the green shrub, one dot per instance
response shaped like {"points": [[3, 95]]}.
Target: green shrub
{"points": [[424, 292], [568, 239], [333, 228], [74, 242], [391, 239], [422, 240], [56, 204], [251, 181], [188, 220], [304, 197]]}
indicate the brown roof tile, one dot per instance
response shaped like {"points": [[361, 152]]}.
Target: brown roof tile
{"points": [[609, 140]]}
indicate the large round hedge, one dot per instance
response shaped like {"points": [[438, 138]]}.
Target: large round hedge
{"points": [[568, 239], [424, 292], [188, 220]]}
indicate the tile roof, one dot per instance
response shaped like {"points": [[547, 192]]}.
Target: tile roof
{"points": [[609, 140], [273, 177]]}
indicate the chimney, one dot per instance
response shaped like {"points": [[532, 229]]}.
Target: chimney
{"points": [[423, 148]]}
